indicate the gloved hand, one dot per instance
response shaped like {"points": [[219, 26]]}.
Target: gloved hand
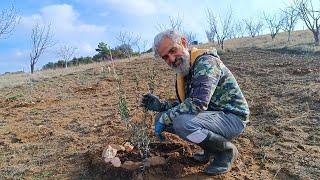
{"points": [[159, 127], [152, 102]]}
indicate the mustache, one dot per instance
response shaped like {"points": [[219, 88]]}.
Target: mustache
{"points": [[174, 64]]}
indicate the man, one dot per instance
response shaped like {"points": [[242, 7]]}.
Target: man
{"points": [[212, 109]]}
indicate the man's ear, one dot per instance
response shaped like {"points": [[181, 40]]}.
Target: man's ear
{"points": [[184, 42]]}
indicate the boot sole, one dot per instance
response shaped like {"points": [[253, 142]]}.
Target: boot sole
{"points": [[217, 173]]}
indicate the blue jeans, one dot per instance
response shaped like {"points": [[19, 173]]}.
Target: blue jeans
{"points": [[194, 128]]}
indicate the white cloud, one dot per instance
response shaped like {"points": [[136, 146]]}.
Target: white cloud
{"points": [[67, 27], [138, 8], [66, 20]]}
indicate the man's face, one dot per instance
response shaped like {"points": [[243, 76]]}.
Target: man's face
{"points": [[176, 55]]}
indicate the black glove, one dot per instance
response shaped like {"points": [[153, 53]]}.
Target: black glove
{"points": [[152, 102]]}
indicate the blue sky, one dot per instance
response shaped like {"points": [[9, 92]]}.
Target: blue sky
{"points": [[85, 23]]}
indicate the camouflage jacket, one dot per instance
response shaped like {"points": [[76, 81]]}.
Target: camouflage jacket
{"points": [[209, 86]]}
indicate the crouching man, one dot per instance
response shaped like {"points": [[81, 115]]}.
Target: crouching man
{"points": [[212, 109]]}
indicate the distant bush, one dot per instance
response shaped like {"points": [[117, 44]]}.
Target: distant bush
{"points": [[119, 52], [74, 62]]}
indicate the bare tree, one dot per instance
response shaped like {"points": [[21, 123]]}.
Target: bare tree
{"points": [[127, 41], [290, 19], [232, 33], [8, 20], [253, 27], [311, 17], [221, 28], [66, 53], [236, 31], [190, 36], [274, 23], [210, 35], [137, 44], [41, 39], [239, 29], [144, 45], [175, 23]]}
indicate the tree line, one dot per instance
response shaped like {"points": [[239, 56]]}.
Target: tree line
{"points": [[222, 28], [104, 53]]}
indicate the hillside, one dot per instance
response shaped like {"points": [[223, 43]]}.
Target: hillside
{"points": [[56, 125], [301, 42]]}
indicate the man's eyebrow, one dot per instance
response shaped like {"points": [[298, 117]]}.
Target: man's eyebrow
{"points": [[167, 50]]}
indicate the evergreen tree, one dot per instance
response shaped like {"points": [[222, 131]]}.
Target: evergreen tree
{"points": [[103, 51]]}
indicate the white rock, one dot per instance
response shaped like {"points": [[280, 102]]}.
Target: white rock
{"points": [[116, 162], [109, 152], [107, 160]]}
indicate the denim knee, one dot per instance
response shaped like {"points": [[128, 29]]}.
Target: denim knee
{"points": [[182, 125]]}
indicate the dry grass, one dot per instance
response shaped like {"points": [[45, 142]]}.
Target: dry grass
{"points": [[301, 42], [11, 80]]}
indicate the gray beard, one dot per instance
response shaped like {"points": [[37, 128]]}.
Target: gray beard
{"points": [[184, 67]]}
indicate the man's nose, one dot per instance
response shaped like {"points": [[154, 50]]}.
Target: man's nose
{"points": [[171, 58]]}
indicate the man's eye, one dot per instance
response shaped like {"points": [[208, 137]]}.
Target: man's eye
{"points": [[165, 57], [173, 50]]}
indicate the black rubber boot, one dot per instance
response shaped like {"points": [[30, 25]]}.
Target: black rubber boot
{"points": [[224, 153], [202, 157]]}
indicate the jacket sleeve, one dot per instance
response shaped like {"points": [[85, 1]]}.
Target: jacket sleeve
{"points": [[166, 105], [205, 79]]}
